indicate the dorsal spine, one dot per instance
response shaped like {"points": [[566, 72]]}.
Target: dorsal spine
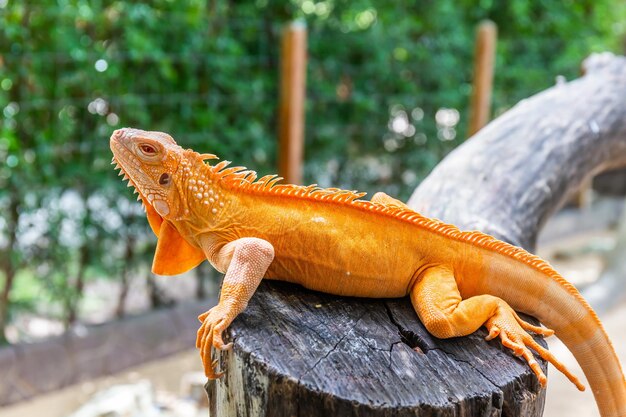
{"points": [[244, 180]]}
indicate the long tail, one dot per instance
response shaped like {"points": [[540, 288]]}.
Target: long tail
{"points": [[533, 287]]}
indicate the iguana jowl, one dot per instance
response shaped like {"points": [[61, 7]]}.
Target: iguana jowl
{"points": [[332, 241]]}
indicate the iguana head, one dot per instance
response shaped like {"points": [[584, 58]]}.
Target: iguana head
{"points": [[150, 161], [159, 170]]}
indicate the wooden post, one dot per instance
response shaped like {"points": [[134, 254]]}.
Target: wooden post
{"points": [[484, 62], [292, 98]]}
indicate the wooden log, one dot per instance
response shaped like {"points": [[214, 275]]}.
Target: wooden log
{"points": [[303, 353]]}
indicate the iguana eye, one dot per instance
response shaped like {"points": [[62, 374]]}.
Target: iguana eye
{"points": [[165, 179], [147, 149]]}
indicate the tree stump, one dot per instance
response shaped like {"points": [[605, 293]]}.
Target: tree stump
{"points": [[303, 353]]}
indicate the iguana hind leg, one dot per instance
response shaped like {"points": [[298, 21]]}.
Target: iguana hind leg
{"points": [[439, 305]]}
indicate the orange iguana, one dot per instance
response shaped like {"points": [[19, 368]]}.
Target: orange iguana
{"points": [[332, 241]]}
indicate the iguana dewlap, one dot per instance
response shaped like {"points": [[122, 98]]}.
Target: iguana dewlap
{"points": [[330, 240]]}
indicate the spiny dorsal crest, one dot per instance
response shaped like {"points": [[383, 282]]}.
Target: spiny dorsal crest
{"points": [[241, 178]]}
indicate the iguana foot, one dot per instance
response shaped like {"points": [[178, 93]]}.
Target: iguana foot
{"points": [[512, 331], [209, 336]]}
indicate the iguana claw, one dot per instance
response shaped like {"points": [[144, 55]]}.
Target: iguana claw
{"points": [[209, 337], [512, 331]]}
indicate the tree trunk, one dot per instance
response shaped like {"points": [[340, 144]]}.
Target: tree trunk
{"points": [[76, 294], [158, 297], [298, 352], [7, 263], [129, 254]]}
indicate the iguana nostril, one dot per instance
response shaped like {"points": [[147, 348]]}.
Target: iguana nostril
{"points": [[119, 133]]}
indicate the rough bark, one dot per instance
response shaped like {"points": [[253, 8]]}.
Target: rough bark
{"points": [[298, 352]]}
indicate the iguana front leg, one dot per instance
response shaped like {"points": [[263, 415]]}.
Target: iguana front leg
{"points": [[439, 305], [245, 261]]}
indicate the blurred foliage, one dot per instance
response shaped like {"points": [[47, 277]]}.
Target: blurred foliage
{"points": [[388, 87]]}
